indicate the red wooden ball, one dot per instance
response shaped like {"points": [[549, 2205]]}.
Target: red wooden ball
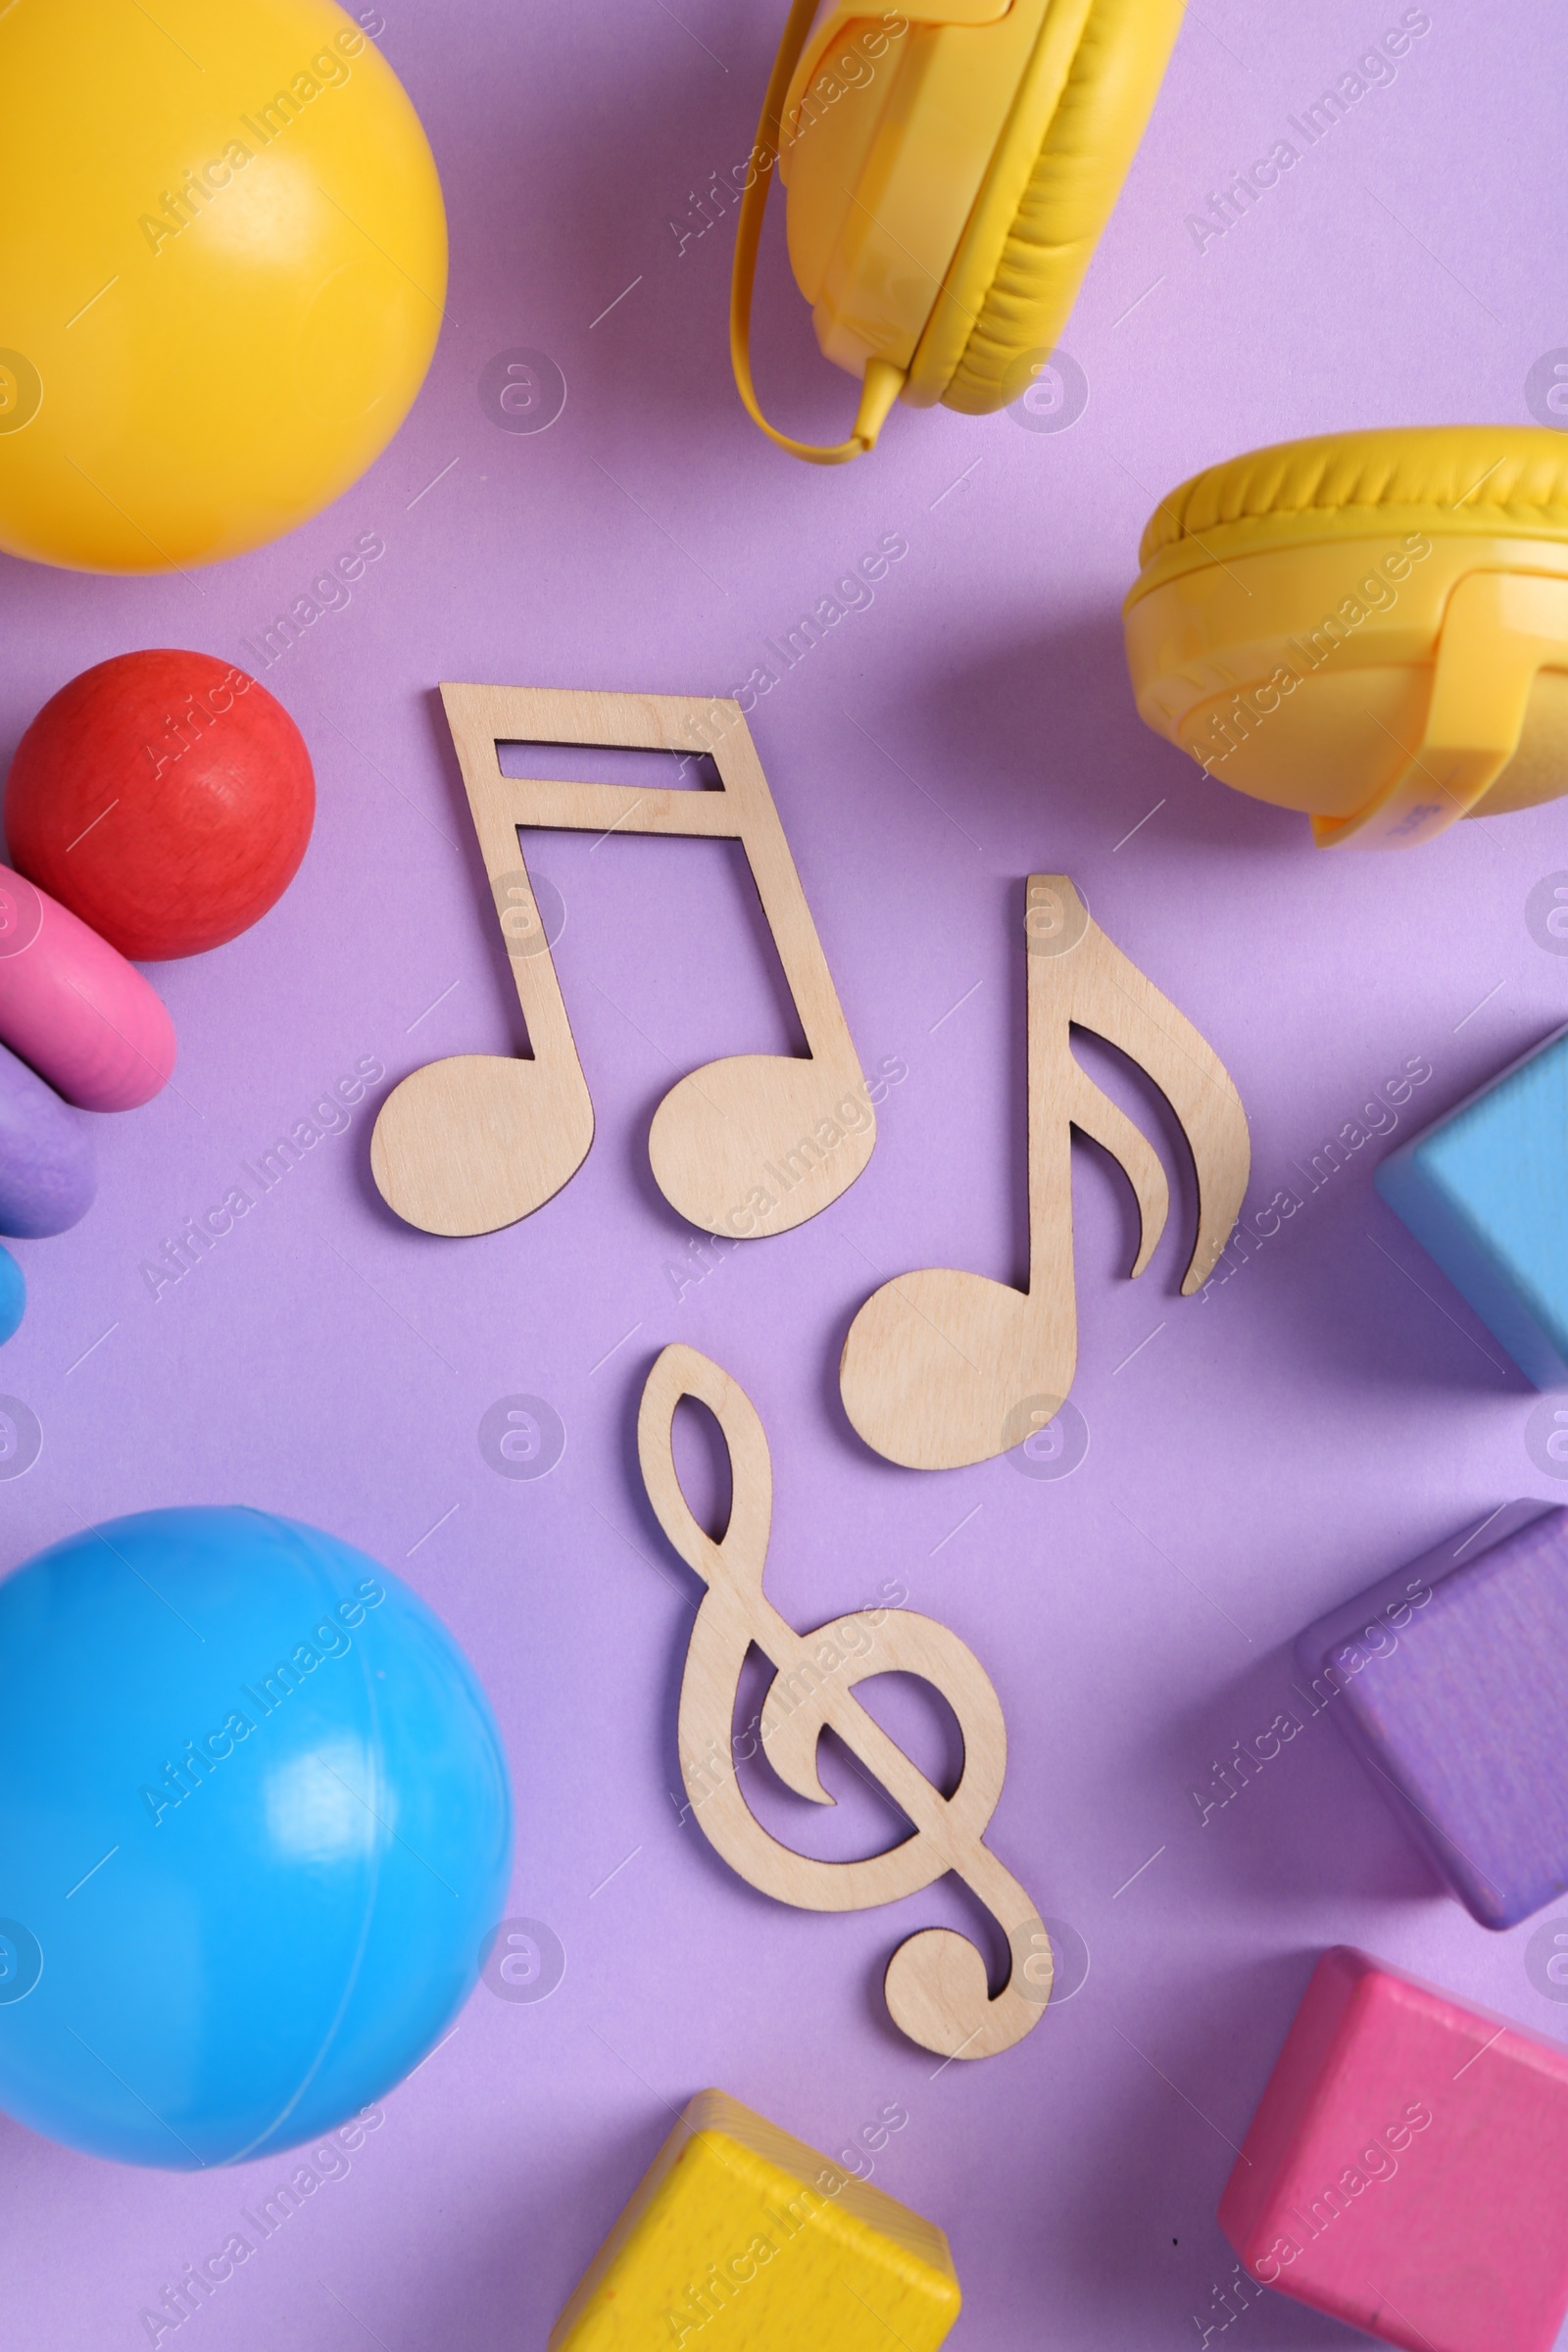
{"points": [[165, 798]]}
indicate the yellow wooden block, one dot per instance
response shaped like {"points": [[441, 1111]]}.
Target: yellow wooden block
{"points": [[742, 2240]]}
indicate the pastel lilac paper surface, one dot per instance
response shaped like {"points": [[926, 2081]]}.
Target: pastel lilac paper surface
{"points": [[1326, 1411], [1459, 1700]]}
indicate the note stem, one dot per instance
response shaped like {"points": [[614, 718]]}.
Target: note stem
{"points": [[1052, 1079], [784, 905], [904, 1781], [969, 1859]]}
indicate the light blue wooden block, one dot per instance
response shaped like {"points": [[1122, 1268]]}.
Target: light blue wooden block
{"points": [[1485, 1193]]}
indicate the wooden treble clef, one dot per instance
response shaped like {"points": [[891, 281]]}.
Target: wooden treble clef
{"points": [[936, 1984]]}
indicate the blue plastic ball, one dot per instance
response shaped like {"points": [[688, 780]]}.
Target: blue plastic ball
{"points": [[255, 1828], [13, 1296]]}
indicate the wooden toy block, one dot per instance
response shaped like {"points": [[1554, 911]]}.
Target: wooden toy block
{"points": [[1482, 1193], [1407, 2165], [742, 2240], [1450, 1680]]}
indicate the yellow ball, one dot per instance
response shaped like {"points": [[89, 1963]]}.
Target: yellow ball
{"points": [[222, 267]]}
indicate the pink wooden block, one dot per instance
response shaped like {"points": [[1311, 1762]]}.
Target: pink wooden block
{"points": [[1407, 2167], [71, 1005]]}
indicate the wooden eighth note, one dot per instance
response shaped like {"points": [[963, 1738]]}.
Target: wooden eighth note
{"points": [[752, 1145], [941, 1368], [936, 1984]]}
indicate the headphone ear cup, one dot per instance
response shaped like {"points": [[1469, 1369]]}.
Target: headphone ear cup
{"points": [[1370, 627], [1050, 188], [982, 160]]}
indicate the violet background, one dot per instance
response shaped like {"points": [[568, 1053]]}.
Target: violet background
{"points": [[1331, 1411]]}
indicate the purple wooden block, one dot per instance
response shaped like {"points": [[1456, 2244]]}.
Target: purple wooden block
{"points": [[1450, 1678], [47, 1172]]}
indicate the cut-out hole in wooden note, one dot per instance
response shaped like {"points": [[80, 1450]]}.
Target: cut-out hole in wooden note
{"points": [[937, 1986], [610, 763], [752, 1145], [943, 1368]]}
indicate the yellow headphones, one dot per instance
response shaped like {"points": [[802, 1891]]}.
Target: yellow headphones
{"points": [[1370, 627], [949, 167]]}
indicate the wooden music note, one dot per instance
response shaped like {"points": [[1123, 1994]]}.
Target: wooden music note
{"points": [[748, 1146], [940, 1369], [936, 1984]]}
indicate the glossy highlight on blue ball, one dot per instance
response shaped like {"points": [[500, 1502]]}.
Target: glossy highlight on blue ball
{"points": [[13, 1297], [255, 1828]]}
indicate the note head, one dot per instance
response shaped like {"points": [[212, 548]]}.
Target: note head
{"points": [[472, 1143], [758, 1143], [937, 1992], [935, 1363]]}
